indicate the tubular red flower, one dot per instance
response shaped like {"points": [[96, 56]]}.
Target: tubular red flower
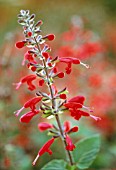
{"points": [[45, 148], [44, 126], [25, 118], [75, 104], [27, 79], [28, 57], [70, 146], [20, 44], [30, 103]]}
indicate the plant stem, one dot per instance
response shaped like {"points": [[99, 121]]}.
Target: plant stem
{"points": [[54, 106]]}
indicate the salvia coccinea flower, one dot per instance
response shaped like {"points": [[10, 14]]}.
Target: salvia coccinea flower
{"points": [[69, 61], [25, 118], [26, 79], [29, 104], [70, 146], [44, 126], [75, 104], [45, 148], [29, 57]]}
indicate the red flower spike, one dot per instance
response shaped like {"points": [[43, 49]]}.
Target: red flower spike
{"points": [[49, 37], [45, 148], [45, 54], [29, 34], [66, 126], [20, 44], [44, 126], [25, 118], [70, 146], [62, 96], [60, 75], [41, 82]]}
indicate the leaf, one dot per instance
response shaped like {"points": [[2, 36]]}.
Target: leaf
{"points": [[56, 164], [86, 151]]}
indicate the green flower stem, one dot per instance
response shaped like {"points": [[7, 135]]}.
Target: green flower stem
{"points": [[54, 106]]}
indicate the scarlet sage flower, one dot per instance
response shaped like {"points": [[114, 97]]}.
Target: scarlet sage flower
{"points": [[70, 146], [44, 126], [28, 57], [27, 79], [45, 148], [75, 104], [25, 118], [30, 103]]}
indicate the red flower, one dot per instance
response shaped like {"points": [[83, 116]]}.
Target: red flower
{"points": [[45, 148], [30, 103], [20, 44], [28, 57], [69, 61], [75, 104], [27, 79], [49, 37], [70, 146], [44, 126], [28, 116]]}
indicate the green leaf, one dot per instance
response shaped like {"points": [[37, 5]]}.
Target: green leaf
{"points": [[86, 151], [56, 164]]}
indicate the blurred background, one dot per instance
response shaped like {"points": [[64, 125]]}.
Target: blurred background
{"points": [[83, 29]]}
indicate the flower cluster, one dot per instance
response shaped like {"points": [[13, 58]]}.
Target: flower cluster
{"points": [[45, 72]]}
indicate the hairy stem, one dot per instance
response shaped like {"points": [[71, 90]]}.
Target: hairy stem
{"points": [[54, 106]]}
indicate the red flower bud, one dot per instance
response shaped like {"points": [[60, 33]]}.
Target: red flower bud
{"points": [[44, 126], [74, 129], [50, 37], [20, 44], [46, 55], [62, 96], [41, 82], [60, 75], [29, 34]]}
